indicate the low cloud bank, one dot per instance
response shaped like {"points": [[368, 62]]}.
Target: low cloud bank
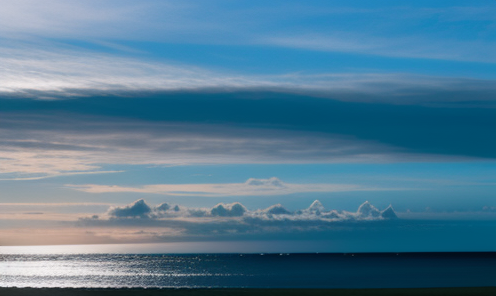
{"points": [[316, 212], [167, 222]]}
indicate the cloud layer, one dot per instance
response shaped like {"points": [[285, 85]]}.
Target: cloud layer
{"points": [[252, 187], [316, 211], [38, 148], [36, 145], [234, 218], [68, 73], [341, 27]]}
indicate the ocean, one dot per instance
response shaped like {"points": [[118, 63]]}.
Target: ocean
{"points": [[279, 270]]}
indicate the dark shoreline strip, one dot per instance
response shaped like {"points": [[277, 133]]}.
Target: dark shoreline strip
{"points": [[475, 291]]}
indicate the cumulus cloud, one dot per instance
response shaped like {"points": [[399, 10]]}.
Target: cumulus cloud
{"points": [[367, 210], [233, 221], [389, 213], [316, 207], [239, 215], [138, 209], [162, 207], [277, 209], [228, 210]]}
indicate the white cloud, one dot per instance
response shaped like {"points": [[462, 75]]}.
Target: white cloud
{"points": [[232, 219], [32, 148], [410, 47], [164, 212], [217, 23], [85, 19], [72, 73], [35, 147], [52, 174], [171, 223], [366, 210], [52, 74], [252, 187]]}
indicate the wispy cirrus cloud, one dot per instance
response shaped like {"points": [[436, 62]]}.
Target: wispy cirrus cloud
{"points": [[54, 173], [48, 149], [79, 19], [353, 28], [54, 74], [410, 47], [252, 187], [34, 147], [36, 62], [72, 73]]}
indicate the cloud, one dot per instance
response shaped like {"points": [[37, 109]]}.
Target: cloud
{"points": [[228, 210], [489, 209], [167, 131], [277, 209], [165, 212], [224, 221], [410, 47], [231, 220], [389, 213], [34, 149], [58, 174], [348, 28], [67, 73], [316, 207], [181, 223], [138, 209], [366, 210], [163, 207], [79, 19], [45, 75], [252, 187]]}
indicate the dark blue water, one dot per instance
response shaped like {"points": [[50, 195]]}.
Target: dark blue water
{"points": [[250, 270]]}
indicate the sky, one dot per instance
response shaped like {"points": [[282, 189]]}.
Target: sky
{"points": [[366, 126]]}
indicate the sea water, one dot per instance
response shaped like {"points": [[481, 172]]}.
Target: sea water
{"points": [[372, 270]]}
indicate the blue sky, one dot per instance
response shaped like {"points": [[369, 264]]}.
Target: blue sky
{"points": [[200, 103]]}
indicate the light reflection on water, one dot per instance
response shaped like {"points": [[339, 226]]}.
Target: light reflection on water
{"points": [[173, 248], [243, 270], [106, 270]]}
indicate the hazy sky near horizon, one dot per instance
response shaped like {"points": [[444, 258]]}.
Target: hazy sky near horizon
{"points": [[109, 109]]}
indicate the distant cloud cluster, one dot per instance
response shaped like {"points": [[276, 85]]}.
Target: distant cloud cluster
{"points": [[489, 209], [315, 212], [233, 220]]}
